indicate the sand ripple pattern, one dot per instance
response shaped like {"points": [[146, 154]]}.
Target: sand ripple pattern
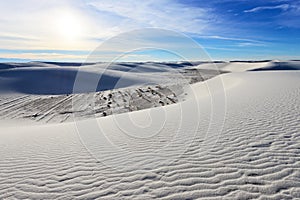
{"points": [[256, 157], [63, 107]]}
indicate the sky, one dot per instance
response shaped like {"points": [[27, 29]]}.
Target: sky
{"points": [[70, 30]]}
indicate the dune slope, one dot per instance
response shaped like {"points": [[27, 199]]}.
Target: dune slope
{"points": [[255, 156]]}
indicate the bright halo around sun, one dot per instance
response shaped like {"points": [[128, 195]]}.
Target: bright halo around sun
{"points": [[69, 26]]}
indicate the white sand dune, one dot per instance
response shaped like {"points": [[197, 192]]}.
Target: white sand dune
{"points": [[244, 66], [41, 78], [53, 92], [59, 78], [255, 156], [234, 66], [241, 66]]}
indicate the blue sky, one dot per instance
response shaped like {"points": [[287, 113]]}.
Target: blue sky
{"points": [[69, 30]]}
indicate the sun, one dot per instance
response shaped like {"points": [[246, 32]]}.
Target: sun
{"points": [[69, 26]]}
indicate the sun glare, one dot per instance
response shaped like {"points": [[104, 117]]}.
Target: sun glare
{"points": [[69, 26]]}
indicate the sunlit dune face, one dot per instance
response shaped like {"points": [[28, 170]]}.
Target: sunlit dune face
{"points": [[69, 26]]}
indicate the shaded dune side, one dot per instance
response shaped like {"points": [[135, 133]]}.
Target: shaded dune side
{"points": [[276, 66], [59, 81], [257, 155], [56, 80], [62, 106]]}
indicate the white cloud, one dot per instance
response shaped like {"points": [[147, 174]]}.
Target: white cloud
{"points": [[227, 38], [249, 44], [42, 56], [167, 14], [37, 24], [41, 24], [283, 7]]}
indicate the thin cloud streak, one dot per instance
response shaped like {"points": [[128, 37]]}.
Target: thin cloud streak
{"points": [[228, 38], [282, 7], [156, 13], [42, 56], [98, 20], [35, 25]]}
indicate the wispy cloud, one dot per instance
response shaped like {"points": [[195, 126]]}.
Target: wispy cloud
{"points": [[37, 25], [290, 18], [15, 37], [283, 7], [228, 38], [249, 44], [42, 56], [156, 13], [221, 48], [44, 21]]}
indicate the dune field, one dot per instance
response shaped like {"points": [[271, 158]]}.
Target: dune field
{"points": [[223, 130]]}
